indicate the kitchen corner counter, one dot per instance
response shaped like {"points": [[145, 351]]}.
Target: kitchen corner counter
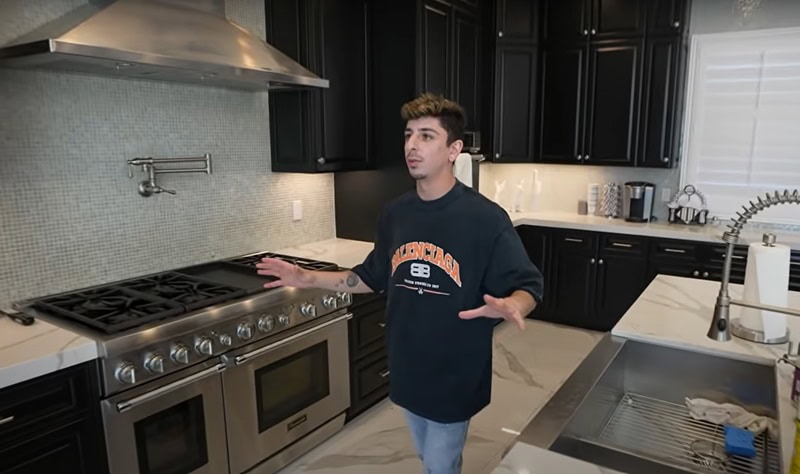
{"points": [[343, 252], [677, 312], [708, 233], [27, 352]]}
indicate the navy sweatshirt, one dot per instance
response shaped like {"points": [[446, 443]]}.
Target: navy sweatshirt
{"points": [[434, 259]]}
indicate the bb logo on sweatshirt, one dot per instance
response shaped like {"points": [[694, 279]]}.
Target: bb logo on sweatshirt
{"points": [[426, 252]]}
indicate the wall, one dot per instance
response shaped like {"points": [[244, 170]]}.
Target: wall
{"points": [[719, 16], [69, 215]]}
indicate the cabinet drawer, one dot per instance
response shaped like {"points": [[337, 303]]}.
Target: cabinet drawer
{"points": [[623, 244], [46, 401], [371, 375], [675, 249], [367, 329], [576, 241]]}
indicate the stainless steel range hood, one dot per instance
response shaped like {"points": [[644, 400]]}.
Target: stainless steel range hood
{"points": [[167, 40]]}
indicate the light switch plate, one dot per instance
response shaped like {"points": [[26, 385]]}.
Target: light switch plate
{"points": [[297, 210], [666, 194]]}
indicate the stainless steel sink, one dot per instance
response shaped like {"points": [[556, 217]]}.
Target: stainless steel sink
{"points": [[624, 408]]}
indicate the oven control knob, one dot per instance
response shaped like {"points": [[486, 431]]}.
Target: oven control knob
{"points": [[204, 346], [329, 302], [308, 310], [180, 354], [245, 331], [283, 320], [155, 364], [225, 340], [126, 373], [344, 298], [266, 323]]}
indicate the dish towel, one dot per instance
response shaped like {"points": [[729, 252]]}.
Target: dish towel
{"points": [[730, 414]]}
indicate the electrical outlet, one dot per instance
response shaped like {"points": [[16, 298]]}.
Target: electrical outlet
{"points": [[666, 194], [297, 210]]}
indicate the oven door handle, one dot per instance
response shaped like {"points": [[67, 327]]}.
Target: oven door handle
{"points": [[136, 401], [238, 360]]}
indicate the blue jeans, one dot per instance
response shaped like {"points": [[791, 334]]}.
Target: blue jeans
{"points": [[438, 445]]}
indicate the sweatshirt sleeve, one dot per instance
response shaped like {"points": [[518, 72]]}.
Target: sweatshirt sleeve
{"points": [[511, 269], [374, 270]]}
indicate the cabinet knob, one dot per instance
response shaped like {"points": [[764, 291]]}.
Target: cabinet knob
{"points": [[592, 260], [594, 32], [676, 24], [580, 157], [705, 274], [695, 273], [600, 261], [497, 155], [321, 160], [500, 34], [665, 159], [585, 32], [586, 157]]}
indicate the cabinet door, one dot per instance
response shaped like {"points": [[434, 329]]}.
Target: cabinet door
{"points": [[561, 93], [566, 19], [517, 21], [612, 103], [537, 245], [72, 449], [658, 102], [573, 274], [515, 98], [435, 44], [620, 281], [665, 17], [466, 56], [617, 18]]}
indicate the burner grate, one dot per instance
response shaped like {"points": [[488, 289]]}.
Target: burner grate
{"points": [[191, 292], [308, 264]]}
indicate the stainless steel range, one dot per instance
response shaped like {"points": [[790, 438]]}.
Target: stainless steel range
{"points": [[205, 371]]}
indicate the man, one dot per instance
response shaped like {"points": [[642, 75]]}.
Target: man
{"points": [[450, 262]]}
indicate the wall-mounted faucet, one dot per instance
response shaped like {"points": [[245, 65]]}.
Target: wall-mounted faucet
{"points": [[148, 187], [720, 329]]}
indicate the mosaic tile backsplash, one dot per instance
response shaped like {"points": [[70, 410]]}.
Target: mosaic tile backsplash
{"points": [[69, 215]]}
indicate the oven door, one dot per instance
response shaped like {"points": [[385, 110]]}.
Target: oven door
{"points": [[282, 389], [171, 426]]}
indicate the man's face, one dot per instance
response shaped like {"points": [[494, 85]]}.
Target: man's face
{"points": [[426, 149]]}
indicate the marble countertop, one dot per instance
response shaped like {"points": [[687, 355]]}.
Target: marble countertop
{"points": [[707, 233], [343, 252], [677, 312], [27, 352]]}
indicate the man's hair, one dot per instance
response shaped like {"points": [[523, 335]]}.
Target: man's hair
{"points": [[450, 114]]}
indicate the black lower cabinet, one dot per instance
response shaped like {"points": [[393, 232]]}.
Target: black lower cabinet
{"points": [[537, 244], [53, 424], [369, 373]]}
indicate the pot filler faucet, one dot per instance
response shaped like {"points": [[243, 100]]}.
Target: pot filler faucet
{"points": [[720, 326]]}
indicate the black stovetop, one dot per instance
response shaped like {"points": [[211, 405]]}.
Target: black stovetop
{"points": [[120, 306]]}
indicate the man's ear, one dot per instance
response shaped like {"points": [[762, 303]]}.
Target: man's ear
{"points": [[455, 149]]}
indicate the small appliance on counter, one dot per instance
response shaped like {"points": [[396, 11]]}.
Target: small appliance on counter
{"points": [[688, 207], [637, 203]]}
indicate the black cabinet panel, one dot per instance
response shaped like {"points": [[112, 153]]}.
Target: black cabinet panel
{"points": [[435, 49], [612, 103], [566, 19], [369, 382], [620, 281], [665, 17], [562, 101], [617, 18], [658, 102], [537, 245], [573, 276], [467, 69], [72, 449], [514, 104], [517, 21]]}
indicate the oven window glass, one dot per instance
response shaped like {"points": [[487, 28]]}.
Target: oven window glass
{"points": [[173, 441], [289, 385]]}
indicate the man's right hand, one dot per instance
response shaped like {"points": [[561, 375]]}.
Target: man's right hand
{"points": [[286, 273]]}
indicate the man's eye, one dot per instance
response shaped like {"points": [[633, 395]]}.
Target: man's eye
{"points": [[426, 137]]}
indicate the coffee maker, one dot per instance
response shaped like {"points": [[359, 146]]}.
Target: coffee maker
{"points": [[638, 201]]}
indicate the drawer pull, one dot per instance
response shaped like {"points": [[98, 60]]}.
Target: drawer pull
{"points": [[570, 239], [5, 420], [620, 244], [667, 249], [384, 374], [382, 325], [736, 257]]}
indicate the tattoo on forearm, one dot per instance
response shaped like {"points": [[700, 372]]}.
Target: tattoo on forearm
{"points": [[352, 280]]}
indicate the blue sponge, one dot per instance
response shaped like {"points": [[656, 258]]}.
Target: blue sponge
{"points": [[739, 442]]}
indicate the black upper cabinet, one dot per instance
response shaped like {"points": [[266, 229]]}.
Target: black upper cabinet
{"points": [[435, 48], [515, 100], [323, 129], [665, 17], [596, 19], [467, 66], [561, 113], [517, 21], [566, 20], [659, 98]]}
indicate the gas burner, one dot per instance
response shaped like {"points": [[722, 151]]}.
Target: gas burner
{"points": [[308, 264], [192, 292], [111, 308]]}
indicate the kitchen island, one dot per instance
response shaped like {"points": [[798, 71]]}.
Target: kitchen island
{"points": [[676, 312]]}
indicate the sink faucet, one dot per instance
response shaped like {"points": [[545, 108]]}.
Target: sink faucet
{"points": [[720, 327]]}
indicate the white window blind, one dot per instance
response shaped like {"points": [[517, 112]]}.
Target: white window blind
{"points": [[742, 125]]}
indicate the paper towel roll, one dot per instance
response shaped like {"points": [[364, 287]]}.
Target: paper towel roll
{"points": [[463, 168], [766, 280]]}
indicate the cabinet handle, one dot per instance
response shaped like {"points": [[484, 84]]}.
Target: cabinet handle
{"points": [[384, 374], [500, 34], [705, 274], [735, 257], [382, 325], [5, 420], [570, 239], [620, 244], [321, 160], [592, 260], [665, 159], [585, 32], [600, 262], [497, 155], [586, 157], [676, 24], [695, 273], [580, 157], [674, 250], [594, 32]]}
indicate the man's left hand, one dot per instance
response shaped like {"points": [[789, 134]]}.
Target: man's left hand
{"points": [[498, 308]]}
